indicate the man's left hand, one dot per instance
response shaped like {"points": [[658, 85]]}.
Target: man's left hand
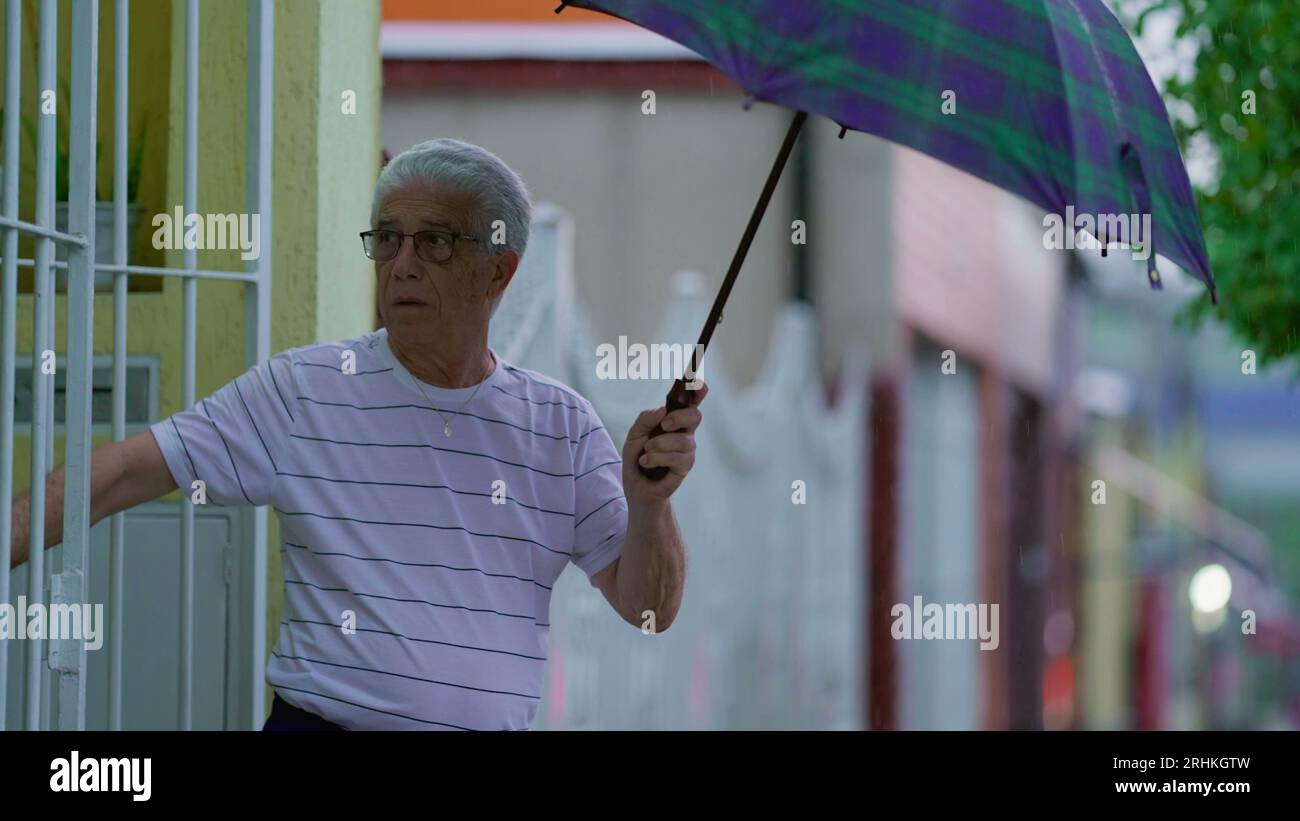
{"points": [[673, 449]]}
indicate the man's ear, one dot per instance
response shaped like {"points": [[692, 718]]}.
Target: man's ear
{"points": [[506, 265]]}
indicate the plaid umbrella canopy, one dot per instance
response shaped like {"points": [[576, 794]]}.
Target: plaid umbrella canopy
{"points": [[1052, 101]]}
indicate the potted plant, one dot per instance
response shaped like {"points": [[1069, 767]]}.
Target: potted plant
{"points": [[105, 243], [104, 237]]}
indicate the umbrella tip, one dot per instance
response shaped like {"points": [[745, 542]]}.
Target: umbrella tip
{"points": [[844, 129], [749, 100], [560, 7]]}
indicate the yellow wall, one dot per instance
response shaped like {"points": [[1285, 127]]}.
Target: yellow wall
{"points": [[324, 167], [149, 106], [148, 111], [1108, 613]]}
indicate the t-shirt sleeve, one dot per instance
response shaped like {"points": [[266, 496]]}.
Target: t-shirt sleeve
{"points": [[600, 510], [233, 440]]}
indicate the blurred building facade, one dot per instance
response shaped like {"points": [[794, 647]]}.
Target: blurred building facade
{"points": [[1191, 437]]}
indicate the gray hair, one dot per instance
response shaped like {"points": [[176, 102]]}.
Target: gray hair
{"points": [[476, 172]]}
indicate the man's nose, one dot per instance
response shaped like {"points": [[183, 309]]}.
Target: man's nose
{"points": [[407, 264]]}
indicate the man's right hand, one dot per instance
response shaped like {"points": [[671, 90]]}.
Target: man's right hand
{"points": [[122, 475]]}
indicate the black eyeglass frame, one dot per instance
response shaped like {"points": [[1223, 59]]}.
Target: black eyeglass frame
{"points": [[401, 238]]}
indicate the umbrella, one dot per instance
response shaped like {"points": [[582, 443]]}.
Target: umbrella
{"points": [[1047, 99]]}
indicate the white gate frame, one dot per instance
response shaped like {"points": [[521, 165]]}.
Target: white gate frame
{"points": [[67, 658]]}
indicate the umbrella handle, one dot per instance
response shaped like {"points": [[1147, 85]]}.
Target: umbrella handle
{"points": [[679, 397]]}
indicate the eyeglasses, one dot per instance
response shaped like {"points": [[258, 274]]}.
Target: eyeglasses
{"points": [[383, 245]]}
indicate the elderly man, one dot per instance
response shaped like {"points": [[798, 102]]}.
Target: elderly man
{"points": [[429, 493]]}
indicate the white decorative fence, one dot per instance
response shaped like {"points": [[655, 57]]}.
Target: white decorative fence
{"points": [[771, 629]]}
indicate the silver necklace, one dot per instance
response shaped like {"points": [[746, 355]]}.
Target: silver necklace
{"points": [[446, 423]]}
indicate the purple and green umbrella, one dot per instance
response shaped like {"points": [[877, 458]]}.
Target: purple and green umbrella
{"points": [[1052, 101]]}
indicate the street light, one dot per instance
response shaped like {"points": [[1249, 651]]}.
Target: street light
{"points": [[1209, 590]]}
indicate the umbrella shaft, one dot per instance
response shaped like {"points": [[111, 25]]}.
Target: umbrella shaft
{"points": [[680, 396], [747, 238]]}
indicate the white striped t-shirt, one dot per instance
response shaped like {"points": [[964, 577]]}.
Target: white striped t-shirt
{"points": [[418, 568]]}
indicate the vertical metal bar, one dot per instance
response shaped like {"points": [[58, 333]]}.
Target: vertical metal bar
{"points": [[72, 586], [51, 321], [117, 544], [42, 339], [8, 317], [188, 294], [257, 296]]}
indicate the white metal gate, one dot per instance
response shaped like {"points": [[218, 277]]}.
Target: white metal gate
{"points": [[64, 661]]}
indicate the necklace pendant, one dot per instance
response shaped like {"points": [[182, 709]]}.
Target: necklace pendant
{"points": [[446, 429]]}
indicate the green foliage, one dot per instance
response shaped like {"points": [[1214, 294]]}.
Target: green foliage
{"points": [[135, 161], [1251, 213]]}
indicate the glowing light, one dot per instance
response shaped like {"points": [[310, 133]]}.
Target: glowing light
{"points": [[1210, 589]]}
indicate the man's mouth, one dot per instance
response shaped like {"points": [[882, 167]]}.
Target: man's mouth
{"points": [[408, 300]]}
